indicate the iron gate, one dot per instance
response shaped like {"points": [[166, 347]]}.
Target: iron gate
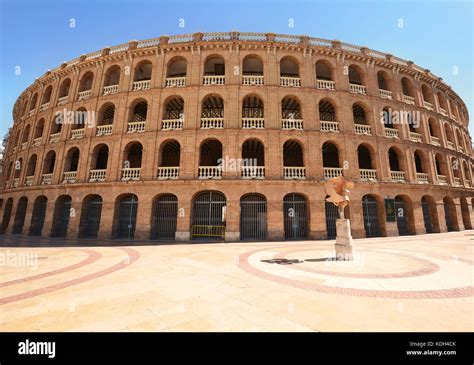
{"points": [[332, 213], [165, 218], [371, 221], [128, 217], [20, 216], [401, 215], [253, 217], [209, 210], [62, 213], [295, 214], [38, 215], [425, 207], [90, 222], [447, 214]]}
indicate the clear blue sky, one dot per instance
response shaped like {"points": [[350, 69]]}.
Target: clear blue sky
{"points": [[36, 35]]}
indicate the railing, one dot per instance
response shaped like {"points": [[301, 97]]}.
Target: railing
{"points": [[47, 179], [357, 89], [253, 172], [456, 181], [461, 149], [133, 127], [104, 130], [109, 90], [253, 123], [397, 175], [131, 173], [331, 172], [83, 95], [292, 124], [409, 100], [467, 183], [329, 126], [141, 85], [63, 100], [69, 177], [294, 173], [391, 132], [77, 133], [210, 172], [171, 124], [428, 105], [252, 80], [16, 182], [415, 137], [29, 180], [212, 123], [168, 173], [363, 129], [435, 141], [326, 84], [37, 141], [214, 80], [31, 112], [53, 138], [368, 175], [442, 180], [44, 106], [175, 81], [385, 94], [97, 175], [290, 81], [24, 145], [422, 178], [443, 112], [450, 145]]}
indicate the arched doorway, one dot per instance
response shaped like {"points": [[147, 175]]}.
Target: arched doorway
{"points": [[209, 215], [20, 215], [38, 215], [295, 216], [126, 216], [253, 217], [62, 212], [450, 214], [466, 217], [370, 213], [430, 216], [404, 215], [90, 216], [7, 214], [165, 217]]}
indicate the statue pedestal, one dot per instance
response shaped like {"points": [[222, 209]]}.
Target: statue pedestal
{"points": [[344, 248]]}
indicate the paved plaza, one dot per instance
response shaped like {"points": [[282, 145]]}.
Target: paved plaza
{"points": [[411, 283]]}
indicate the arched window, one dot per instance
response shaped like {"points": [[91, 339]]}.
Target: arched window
{"points": [[212, 112], [176, 72], [214, 71], [170, 154], [173, 113], [132, 161], [253, 112], [291, 114], [210, 159]]}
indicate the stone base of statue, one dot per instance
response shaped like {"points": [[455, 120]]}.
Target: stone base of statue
{"points": [[344, 248]]}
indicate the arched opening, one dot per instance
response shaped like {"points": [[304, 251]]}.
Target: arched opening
{"points": [[47, 95], [19, 220], [49, 162], [132, 162], [291, 113], [295, 216], [31, 168], [293, 161], [143, 71], [90, 216], [210, 159], [253, 156], [430, 214], [18, 168], [252, 70], [365, 158], [212, 112], [177, 67], [56, 125], [71, 162], [165, 218], [327, 112], [359, 115], [449, 135], [384, 83], [106, 114], [34, 101], [38, 215], [373, 214], [7, 212], [427, 93], [289, 67], [85, 84], [64, 88], [442, 103], [39, 129], [404, 215], [323, 71], [330, 154], [209, 216], [450, 214], [467, 174], [139, 111], [100, 157], [169, 160], [214, 71], [253, 217], [80, 120], [125, 216], [26, 135], [62, 212], [408, 88], [111, 78], [253, 112], [356, 78], [396, 169], [435, 133], [466, 216]]}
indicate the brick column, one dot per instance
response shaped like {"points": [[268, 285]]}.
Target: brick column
{"points": [[276, 230], [419, 222], [106, 220], [441, 216], [317, 221], [28, 215], [232, 230], [143, 223], [357, 219], [184, 218], [75, 218]]}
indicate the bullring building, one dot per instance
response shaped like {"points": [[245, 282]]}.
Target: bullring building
{"points": [[231, 136]]}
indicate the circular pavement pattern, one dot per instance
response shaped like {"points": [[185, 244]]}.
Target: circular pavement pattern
{"points": [[388, 273]]}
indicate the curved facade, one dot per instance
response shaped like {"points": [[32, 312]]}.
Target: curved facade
{"points": [[231, 136]]}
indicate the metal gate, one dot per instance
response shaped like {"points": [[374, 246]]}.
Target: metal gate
{"points": [[20, 216], [447, 214], [90, 222], [38, 215], [253, 217], [295, 217], [127, 217], [425, 207], [401, 215], [209, 211], [165, 218], [62, 213], [332, 213], [371, 221]]}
